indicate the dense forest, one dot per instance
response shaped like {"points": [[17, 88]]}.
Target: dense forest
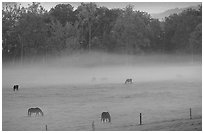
{"points": [[32, 31]]}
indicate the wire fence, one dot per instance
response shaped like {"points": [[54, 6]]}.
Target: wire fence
{"points": [[93, 127]]}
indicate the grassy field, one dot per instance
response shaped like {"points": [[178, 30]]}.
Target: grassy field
{"points": [[75, 107], [72, 98]]}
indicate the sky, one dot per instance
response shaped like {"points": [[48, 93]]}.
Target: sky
{"points": [[150, 7]]}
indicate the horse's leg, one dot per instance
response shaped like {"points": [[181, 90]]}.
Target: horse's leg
{"points": [[41, 113], [109, 119], [102, 120], [30, 113]]}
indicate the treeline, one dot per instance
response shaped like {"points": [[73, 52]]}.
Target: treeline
{"points": [[31, 31]]}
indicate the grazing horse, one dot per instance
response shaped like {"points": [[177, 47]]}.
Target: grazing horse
{"points": [[35, 110], [15, 87], [128, 81], [105, 116]]}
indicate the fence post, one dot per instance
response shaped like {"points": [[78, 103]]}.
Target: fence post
{"points": [[46, 127], [190, 114], [140, 118], [93, 126]]}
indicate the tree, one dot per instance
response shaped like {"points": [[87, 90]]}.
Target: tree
{"points": [[131, 31], [179, 28], [102, 33], [196, 39], [31, 31], [62, 37], [155, 35], [10, 17], [63, 13], [86, 15]]}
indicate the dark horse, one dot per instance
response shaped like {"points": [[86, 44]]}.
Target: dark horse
{"points": [[37, 111], [105, 116], [15, 87], [128, 81]]}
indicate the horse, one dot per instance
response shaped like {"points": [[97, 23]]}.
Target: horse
{"points": [[128, 81], [36, 110], [105, 117], [15, 87]]}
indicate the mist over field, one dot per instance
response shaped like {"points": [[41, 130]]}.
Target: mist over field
{"points": [[74, 90], [102, 68]]}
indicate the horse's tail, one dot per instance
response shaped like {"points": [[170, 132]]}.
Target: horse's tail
{"points": [[101, 117], [28, 112], [110, 119]]}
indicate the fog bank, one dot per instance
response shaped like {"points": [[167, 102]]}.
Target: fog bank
{"points": [[96, 68]]}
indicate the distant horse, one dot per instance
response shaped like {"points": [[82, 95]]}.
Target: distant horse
{"points": [[36, 110], [105, 116], [15, 87], [128, 81]]}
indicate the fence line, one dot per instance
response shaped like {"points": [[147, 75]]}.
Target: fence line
{"points": [[140, 121]]}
